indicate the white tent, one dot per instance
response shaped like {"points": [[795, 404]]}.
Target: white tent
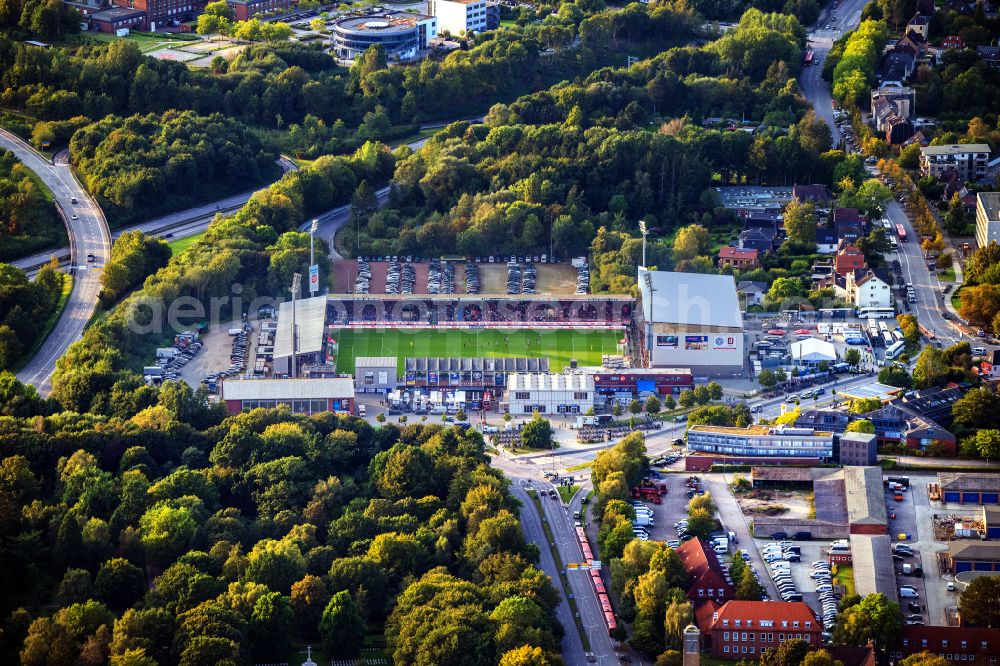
{"points": [[812, 351]]}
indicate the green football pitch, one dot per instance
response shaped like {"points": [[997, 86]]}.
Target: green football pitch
{"points": [[561, 345]]}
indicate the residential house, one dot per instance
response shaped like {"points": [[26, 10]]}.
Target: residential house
{"points": [[850, 655], [849, 259], [763, 219], [953, 42], [745, 629], [890, 425], [898, 130], [989, 54], [817, 194], [751, 293], [741, 258], [762, 239], [922, 433], [896, 68], [989, 367], [707, 579], [869, 289], [920, 25], [954, 185], [849, 223], [826, 240], [918, 138], [968, 160], [972, 646], [912, 43]]}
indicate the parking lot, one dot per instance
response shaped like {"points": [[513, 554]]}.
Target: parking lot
{"points": [[673, 508]]}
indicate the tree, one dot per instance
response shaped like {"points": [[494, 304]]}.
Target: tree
{"points": [[800, 221], [68, 549], [767, 379], [270, 623], [820, 658], [528, 655], [852, 357], [167, 530], [977, 409], [865, 405], [341, 627], [924, 659], [987, 443], [537, 433], [120, 583], [784, 288], [979, 604], [652, 405], [861, 425], [894, 375], [691, 241], [687, 398], [700, 523], [789, 653], [747, 587], [669, 403], [310, 597], [317, 24], [616, 409], [635, 407], [875, 619]]}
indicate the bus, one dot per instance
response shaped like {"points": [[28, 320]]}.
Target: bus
{"points": [[894, 350], [887, 339], [872, 329], [809, 57], [876, 313], [882, 328], [901, 232]]}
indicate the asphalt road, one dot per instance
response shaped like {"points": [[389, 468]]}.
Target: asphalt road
{"points": [[88, 235], [531, 523]]}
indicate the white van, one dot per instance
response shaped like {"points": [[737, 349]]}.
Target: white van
{"points": [[362, 410]]}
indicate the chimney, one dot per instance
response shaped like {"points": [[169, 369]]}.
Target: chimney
{"points": [[692, 646]]}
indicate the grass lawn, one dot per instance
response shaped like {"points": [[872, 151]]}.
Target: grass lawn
{"points": [[581, 466], [956, 298], [558, 345], [181, 244], [146, 43], [845, 577], [566, 492], [947, 275]]}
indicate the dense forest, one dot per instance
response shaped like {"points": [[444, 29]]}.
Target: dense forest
{"points": [[25, 308], [172, 534], [28, 218], [547, 170]]}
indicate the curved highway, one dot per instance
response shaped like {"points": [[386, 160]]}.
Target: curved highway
{"points": [[90, 247]]}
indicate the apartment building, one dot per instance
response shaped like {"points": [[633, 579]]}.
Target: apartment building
{"points": [[247, 9], [987, 218], [163, 12], [979, 646], [968, 161], [761, 441], [462, 17], [745, 629]]}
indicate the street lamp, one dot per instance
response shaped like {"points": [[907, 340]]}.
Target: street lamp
{"points": [[296, 289], [312, 232], [644, 232]]}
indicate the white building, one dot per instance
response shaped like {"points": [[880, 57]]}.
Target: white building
{"points": [[691, 320], [869, 290], [550, 394], [459, 17], [812, 351], [375, 374], [987, 218], [759, 440]]}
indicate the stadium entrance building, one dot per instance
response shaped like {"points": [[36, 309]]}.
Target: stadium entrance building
{"points": [[482, 380], [692, 321], [624, 384]]}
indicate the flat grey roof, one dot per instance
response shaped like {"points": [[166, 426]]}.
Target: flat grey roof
{"points": [[956, 149], [865, 496], [375, 362], [287, 389], [883, 392], [689, 298], [874, 572], [310, 317], [990, 201], [972, 482]]}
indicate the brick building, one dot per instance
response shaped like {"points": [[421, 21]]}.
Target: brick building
{"points": [[977, 646], [116, 18], [162, 12], [247, 9], [708, 581], [745, 629], [741, 258]]}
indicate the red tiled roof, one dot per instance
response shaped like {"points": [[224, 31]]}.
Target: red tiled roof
{"points": [[752, 613], [850, 655], [702, 566], [974, 636], [737, 253], [704, 614]]}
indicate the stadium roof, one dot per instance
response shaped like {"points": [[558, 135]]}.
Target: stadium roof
{"points": [[689, 298], [865, 496], [287, 389], [310, 317], [543, 381], [873, 567], [883, 392], [459, 364]]}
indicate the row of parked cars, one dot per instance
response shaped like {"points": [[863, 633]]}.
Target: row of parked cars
{"points": [[779, 557], [440, 277], [471, 279], [399, 279], [823, 575], [364, 277], [643, 520], [583, 278]]}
